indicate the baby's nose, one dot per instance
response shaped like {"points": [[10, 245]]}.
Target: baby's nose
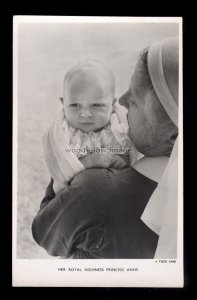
{"points": [[85, 114]]}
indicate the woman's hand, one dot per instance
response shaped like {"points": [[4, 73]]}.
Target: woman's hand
{"points": [[103, 160]]}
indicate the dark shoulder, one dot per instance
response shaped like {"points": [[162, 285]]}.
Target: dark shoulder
{"points": [[111, 182], [99, 176], [91, 177], [130, 175]]}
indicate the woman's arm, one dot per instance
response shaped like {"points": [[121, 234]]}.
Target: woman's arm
{"points": [[49, 195], [75, 218], [103, 160]]}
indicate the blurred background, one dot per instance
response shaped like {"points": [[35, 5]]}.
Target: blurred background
{"points": [[45, 52]]}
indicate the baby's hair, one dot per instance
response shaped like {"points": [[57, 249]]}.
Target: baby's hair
{"points": [[96, 65]]}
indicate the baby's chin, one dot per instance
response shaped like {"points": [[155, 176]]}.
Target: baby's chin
{"points": [[88, 126]]}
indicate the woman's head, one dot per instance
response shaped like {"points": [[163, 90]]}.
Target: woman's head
{"points": [[89, 91], [150, 126]]}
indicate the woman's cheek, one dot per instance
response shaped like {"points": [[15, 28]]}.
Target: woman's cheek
{"points": [[130, 118], [135, 121], [131, 128]]}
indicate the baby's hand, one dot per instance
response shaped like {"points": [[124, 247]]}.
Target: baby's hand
{"points": [[103, 160]]}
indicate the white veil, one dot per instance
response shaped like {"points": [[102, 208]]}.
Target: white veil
{"points": [[161, 211]]}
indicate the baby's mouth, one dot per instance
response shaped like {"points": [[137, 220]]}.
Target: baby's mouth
{"points": [[86, 123], [86, 126]]}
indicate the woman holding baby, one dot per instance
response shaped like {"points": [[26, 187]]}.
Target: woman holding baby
{"points": [[111, 210]]}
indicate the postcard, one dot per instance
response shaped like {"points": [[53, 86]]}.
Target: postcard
{"points": [[97, 152]]}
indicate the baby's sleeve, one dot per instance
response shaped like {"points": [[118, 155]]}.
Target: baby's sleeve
{"points": [[62, 163], [69, 162]]}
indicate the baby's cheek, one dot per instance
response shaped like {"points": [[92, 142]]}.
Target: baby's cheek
{"points": [[104, 118], [70, 116], [106, 113]]}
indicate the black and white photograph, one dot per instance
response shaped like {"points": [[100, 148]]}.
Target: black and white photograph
{"points": [[97, 151]]}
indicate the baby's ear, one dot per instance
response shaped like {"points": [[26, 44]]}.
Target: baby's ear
{"points": [[61, 99]]}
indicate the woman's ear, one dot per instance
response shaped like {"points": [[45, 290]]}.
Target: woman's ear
{"points": [[61, 99]]}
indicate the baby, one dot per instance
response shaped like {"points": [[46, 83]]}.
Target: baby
{"points": [[88, 128]]}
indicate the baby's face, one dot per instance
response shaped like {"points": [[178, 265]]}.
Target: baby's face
{"points": [[88, 102]]}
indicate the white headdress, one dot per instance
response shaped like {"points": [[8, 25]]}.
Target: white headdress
{"points": [[161, 211]]}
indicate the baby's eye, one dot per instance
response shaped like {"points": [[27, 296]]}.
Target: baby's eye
{"points": [[76, 105], [98, 104]]}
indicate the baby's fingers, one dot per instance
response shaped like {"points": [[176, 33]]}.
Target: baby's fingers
{"points": [[118, 162]]}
